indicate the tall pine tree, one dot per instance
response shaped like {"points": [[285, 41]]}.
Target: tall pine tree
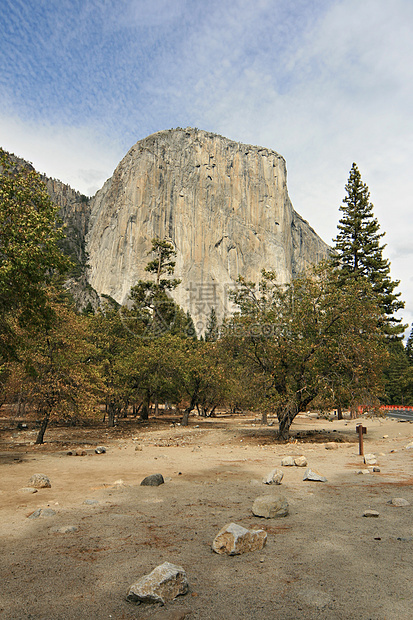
{"points": [[359, 252]]}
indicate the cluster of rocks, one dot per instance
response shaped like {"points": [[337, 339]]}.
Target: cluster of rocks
{"points": [[82, 452], [372, 467], [301, 461]]}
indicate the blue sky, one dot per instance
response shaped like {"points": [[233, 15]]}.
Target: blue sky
{"points": [[323, 82]]}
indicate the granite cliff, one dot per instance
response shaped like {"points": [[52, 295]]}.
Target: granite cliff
{"points": [[224, 206]]}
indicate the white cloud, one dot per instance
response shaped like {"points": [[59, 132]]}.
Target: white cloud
{"points": [[78, 156]]}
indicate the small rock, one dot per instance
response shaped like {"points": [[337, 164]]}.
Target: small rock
{"points": [[270, 507], [28, 490], [287, 461], [371, 513], [385, 436], [314, 476], [65, 529], [370, 459], [138, 448], [376, 469], [233, 539], [80, 452], [91, 502], [409, 446], [363, 471], [274, 477], [300, 461], [42, 512], [153, 480], [163, 584], [100, 450], [406, 539], [398, 501], [331, 445], [39, 481]]}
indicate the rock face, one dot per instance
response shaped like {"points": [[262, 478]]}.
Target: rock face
{"points": [[224, 206]]}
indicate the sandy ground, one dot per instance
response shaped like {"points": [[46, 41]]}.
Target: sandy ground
{"points": [[324, 560]]}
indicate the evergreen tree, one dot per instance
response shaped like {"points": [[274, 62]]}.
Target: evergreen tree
{"points": [[359, 252], [212, 330], [154, 311], [409, 347]]}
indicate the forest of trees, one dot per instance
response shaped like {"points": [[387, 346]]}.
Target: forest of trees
{"points": [[329, 339]]}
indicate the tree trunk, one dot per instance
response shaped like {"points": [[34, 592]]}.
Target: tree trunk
{"points": [[145, 407], [284, 423], [42, 430], [264, 418], [111, 414], [185, 417], [339, 412]]}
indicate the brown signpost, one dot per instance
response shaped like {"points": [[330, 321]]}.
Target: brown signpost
{"points": [[361, 430]]}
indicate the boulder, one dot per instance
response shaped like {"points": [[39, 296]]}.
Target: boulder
{"points": [[162, 585], [314, 476], [100, 450], [42, 512], [398, 501], [270, 506], [154, 480], [64, 529], [39, 481], [370, 459], [300, 461], [371, 513], [28, 490], [274, 477], [331, 445], [287, 461], [233, 539], [363, 471]]}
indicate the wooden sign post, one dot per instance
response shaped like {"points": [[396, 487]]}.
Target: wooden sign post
{"points": [[361, 430]]}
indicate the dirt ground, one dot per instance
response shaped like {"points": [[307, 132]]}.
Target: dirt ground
{"points": [[324, 560]]}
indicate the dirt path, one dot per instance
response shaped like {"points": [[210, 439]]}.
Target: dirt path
{"points": [[325, 560]]}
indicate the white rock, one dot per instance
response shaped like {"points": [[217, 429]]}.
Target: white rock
{"points": [[371, 513], [314, 476], [409, 446], [274, 477], [163, 584], [39, 481], [28, 490], [287, 461], [399, 501], [300, 461], [370, 459], [233, 539], [363, 471], [270, 506]]}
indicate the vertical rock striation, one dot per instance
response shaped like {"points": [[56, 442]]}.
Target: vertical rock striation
{"points": [[224, 205]]}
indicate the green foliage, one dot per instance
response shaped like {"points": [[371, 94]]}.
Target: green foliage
{"points": [[398, 376], [313, 339], [29, 253], [153, 311], [53, 366], [409, 347], [359, 251], [212, 328]]}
